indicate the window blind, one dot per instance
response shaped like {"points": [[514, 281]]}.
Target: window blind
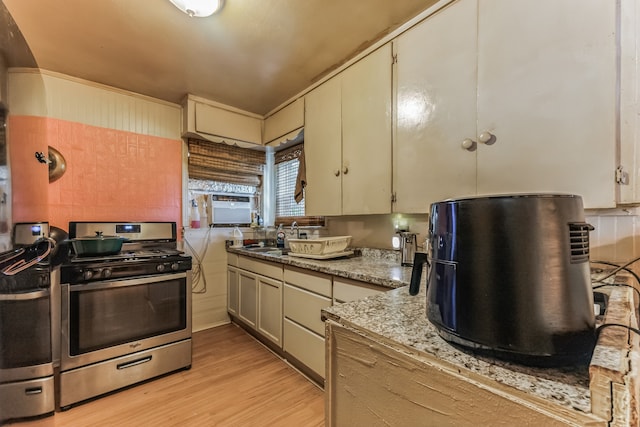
{"points": [[286, 174], [226, 163]]}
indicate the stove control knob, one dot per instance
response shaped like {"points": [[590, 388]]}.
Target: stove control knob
{"points": [[106, 273], [175, 266], [160, 268], [87, 274]]}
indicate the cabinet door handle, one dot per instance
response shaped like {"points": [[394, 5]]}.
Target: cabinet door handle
{"points": [[336, 172], [486, 138], [468, 144], [345, 170]]}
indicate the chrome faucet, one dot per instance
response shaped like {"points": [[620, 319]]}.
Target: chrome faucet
{"points": [[295, 229]]}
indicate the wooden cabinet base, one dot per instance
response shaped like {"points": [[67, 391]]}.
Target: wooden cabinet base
{"points": [[304, 370], [267, 343], [292, 360], [370, 382]]}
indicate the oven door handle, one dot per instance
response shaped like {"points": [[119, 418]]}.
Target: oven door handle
{"points": [[26, 296], [128, 282]]}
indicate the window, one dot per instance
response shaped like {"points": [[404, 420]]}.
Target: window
{"points": [[286, 178], [287, 164]]}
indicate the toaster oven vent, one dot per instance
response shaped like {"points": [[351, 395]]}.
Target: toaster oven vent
{"points": [[579, 238]]}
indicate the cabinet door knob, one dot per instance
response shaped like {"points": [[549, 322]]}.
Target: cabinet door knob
{"points": [[485, 137], [336, 172], [468, 144], [345, 170]]}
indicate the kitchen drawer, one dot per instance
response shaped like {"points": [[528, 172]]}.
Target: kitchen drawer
{"points": [[232, 259], [18, 402], [123, 371], [267, 269], [350, 290], [311, 281], [305, 346], [304, 307]]}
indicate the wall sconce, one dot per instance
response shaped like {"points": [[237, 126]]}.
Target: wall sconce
{"points": [[198, 8]]}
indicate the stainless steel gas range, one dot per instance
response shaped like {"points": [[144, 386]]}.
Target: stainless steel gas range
{"points": [[126, 317]]}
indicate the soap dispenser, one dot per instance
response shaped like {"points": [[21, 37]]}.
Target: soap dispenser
{"points": [[280, 237]]}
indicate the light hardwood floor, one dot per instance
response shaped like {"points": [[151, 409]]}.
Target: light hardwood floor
{"points": [[233, 381]]}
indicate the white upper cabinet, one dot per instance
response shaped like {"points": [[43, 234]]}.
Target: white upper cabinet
{"points": [[507, 96], [219, 123], [285, 124], [323, 149], [435, 109], [630, 101], [348, 140], [547, 73], [366, 134]]}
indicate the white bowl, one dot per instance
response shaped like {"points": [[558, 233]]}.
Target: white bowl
{"points": [[320, 245]]}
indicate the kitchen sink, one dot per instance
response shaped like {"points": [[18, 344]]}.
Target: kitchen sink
{"points": [[268, 250]]}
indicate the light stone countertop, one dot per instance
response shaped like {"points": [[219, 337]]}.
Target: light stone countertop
{"points": [[378, 267], [400, 318]]}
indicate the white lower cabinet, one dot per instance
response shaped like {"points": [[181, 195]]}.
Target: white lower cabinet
{"points": [[233, 287], [283, 305], [306, 293], [248, 301], [305, 346], [270, 309], [303, 307], [255, 296]]}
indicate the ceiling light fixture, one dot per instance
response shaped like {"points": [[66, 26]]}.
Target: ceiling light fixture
{"points": [[199, 8]]}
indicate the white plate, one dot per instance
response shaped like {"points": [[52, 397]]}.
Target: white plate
{"points": [[325, 256]]}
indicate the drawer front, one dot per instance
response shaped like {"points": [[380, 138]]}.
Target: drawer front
{"points": [[311, 281], [304, 307], [305, 346], [115, 374], [267, 269], [345, 291], [27, 398], [232, 259]]}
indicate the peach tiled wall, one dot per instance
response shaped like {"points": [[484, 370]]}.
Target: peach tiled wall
{"points": [[111, 175]]}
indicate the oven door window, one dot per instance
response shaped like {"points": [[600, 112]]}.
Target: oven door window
{"points": [[25, 330], [110, 316]]}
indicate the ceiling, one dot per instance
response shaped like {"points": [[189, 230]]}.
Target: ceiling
{"points": [[253, 54]]}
